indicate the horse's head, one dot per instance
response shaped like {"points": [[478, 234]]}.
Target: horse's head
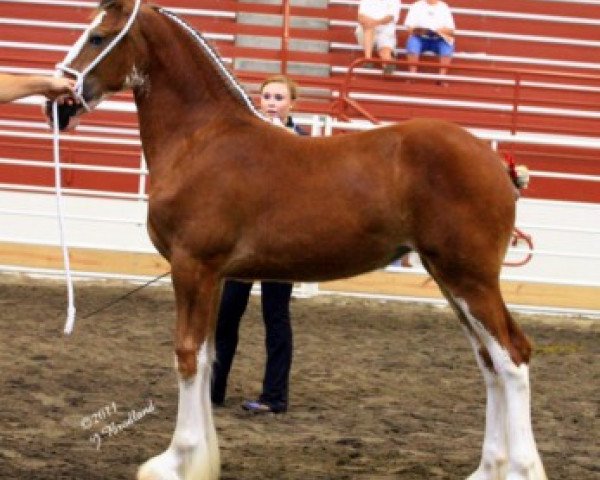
{"points": [[104, 59]]}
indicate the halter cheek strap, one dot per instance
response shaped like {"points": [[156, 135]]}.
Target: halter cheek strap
{"points": [[76, 48], [63, 67]]}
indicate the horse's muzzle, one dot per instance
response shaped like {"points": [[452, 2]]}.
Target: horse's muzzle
{"points": [[65, 113]]}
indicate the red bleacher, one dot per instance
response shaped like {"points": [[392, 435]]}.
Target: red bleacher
{"points": [[496, 37]]}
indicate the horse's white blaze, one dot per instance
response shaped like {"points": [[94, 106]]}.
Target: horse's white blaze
{"points": [[78, 45], [194, 452], [509, 389]]}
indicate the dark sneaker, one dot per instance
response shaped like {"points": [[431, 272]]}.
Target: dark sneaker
{"points": [[255, 406]]}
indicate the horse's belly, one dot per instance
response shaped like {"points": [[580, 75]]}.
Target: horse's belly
{"points": [[315, 264]]}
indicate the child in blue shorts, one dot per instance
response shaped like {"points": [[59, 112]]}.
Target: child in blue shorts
{"points": [[417, 44], [431, 29]]}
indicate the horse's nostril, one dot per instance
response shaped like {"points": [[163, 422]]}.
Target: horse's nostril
{"points": [[65, 112]]}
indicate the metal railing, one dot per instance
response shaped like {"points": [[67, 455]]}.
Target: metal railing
{"points": [[285, 36], [531, 92]]}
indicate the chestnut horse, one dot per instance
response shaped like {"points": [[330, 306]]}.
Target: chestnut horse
{"points": [[232, 196]]}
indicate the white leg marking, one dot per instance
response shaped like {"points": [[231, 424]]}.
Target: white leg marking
{"points": [[194, 452], [207, 357], [494, 457], [524, 461]]}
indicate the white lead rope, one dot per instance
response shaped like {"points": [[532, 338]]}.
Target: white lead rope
{"points": [[80, 77], [61, 227]]}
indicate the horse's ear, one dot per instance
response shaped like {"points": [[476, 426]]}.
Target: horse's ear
{"points": [[125, 5]]}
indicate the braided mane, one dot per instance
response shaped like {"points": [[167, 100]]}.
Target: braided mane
{"points": [[230, 81]]}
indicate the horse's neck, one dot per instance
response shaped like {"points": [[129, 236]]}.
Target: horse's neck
{"points": [[182, 90]]}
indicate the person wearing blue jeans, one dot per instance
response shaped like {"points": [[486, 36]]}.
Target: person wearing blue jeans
{"points": [[430, 29]]}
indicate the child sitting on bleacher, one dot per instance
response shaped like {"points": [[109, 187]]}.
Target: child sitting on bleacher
{"points": [[377, 28], [430, 29]]}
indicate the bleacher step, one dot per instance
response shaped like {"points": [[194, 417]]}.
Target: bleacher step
{"points": [[293, 3], [253, 65], [308, 69], [274, 43], [274, 66], [270, 20]]}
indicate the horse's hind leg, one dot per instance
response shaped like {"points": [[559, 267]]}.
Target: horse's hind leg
{"points": [[193, 453], [494, 456], [503, 352], [509, 404]]}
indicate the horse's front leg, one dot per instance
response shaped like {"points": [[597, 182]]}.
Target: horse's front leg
{"points": [[193, 453]]}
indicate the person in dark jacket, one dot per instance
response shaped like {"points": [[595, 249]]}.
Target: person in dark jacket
{"points": [[277, 96]]}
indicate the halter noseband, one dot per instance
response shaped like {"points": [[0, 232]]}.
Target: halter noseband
{"points": [[63, 66]]}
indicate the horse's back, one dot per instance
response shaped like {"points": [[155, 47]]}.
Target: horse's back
{"points": [[450, 159]]}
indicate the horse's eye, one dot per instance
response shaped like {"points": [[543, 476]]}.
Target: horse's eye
{"points": [[96, 40]]}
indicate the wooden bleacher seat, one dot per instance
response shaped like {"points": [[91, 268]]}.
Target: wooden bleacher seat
{"points": [[540, 34]]}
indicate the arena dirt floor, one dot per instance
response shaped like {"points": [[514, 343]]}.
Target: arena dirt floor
{"points": [[379, 391]]}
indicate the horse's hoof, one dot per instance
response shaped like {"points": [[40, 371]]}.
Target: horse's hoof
{"points": [[480, 474], [493, 466], [192, 464], [161, 467], [501, 472], [535, 472]]}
